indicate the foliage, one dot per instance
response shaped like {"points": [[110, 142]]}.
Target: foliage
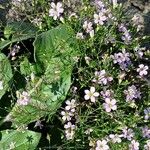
{"points": [[73, 75]]}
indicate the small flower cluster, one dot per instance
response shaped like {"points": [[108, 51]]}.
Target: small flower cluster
{"points": [[138, 21], [101, 77], [101, 17], [67, 116], [88, 27], [127, 133], [122, 58], [132, 93], [134, 145], [126, 37], [23, 99]]}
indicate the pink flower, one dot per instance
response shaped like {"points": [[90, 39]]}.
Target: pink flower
{"points": [[132, 93], [142, 70], [24, 99], [134, 145], [128, 133], [88, 27], [101, 77], [109, 104], [100, 18], [56, 10]]}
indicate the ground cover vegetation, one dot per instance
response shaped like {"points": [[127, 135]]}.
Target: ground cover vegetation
{"points": [[73, 75]]}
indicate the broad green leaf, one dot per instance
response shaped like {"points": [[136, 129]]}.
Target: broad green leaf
{"points": [[19, 140], [45, 100], [54, 51], [47, 95], [5, 74], [26, 68], [58, 42], [19, 31]]}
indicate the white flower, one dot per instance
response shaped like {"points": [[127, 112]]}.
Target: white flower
{"points": [[79, 35], [147, 146], [70, 130], [115, 138], [1, 85], [69, 125], [134, 145], [109, 104], [56, 10], [69, 134], [91, 94], [70, 105], [100, 18], [101, 145], [87, 59], [142, 70], [66, 116]]}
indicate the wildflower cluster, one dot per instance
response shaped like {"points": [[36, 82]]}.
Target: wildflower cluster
{"points": [[67, 116], [102, 59]]}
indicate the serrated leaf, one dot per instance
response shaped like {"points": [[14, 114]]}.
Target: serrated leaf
{"points": [[19, 140], [5, 74]]}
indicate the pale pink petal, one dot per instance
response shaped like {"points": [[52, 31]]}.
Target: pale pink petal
{"points": [[108, 109], [86, 91], [107, 100], [114, 107], [53, 5], [92, 89], [86, 97], [93, 99], [96, 94], [113, 101], [59, 5]]}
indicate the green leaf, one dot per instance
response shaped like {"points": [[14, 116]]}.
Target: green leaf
{"points": [[47, 95], [54, 52], [5, 74], [19, 140], [19, 31], [58, 42]]}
